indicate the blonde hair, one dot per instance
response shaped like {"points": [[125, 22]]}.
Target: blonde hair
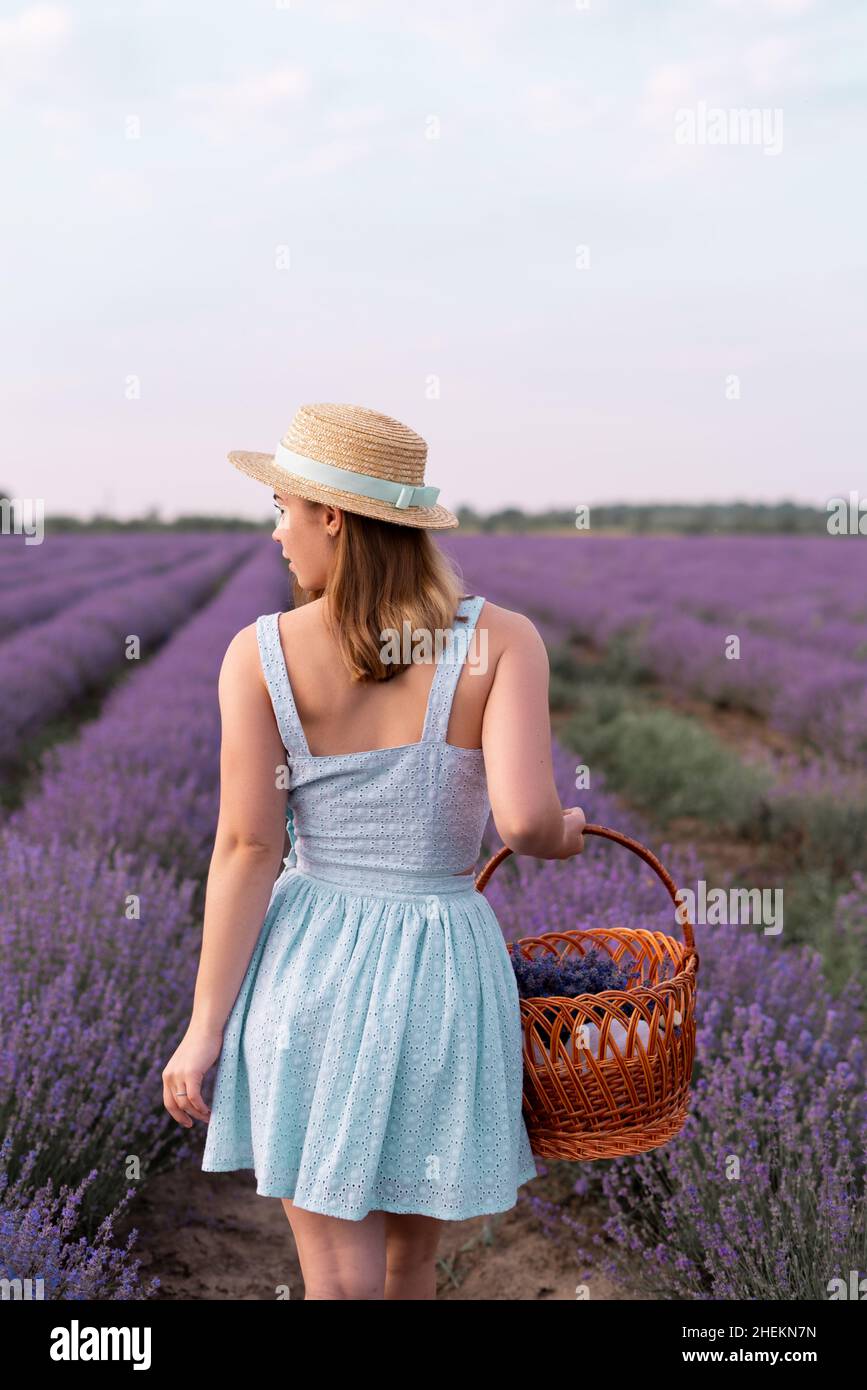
{"points": [[383, 576]]}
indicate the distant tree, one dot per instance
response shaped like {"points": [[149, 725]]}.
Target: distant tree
{"points": [[718, 518]]}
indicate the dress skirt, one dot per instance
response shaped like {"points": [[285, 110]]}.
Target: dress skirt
{"points": [[373, 1056]]}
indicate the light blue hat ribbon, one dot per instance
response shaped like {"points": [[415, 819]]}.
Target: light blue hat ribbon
{"points": [[364, 484]]}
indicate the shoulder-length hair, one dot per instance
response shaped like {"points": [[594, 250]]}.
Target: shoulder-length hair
{"points": [[385, 576]]}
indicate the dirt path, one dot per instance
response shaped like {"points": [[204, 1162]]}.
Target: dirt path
{"points": [[211, 1236]]}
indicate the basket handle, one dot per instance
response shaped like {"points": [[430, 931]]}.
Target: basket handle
{"points": [[620, 839]]}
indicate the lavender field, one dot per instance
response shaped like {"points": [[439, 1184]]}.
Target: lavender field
{"points": [[749, 766], [798, 605], [719, 683], [103, 862]]}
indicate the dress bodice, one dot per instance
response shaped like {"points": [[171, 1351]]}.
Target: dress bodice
{"points": [[420, 808]]}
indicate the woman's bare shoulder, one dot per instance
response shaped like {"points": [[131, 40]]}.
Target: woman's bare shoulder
{"points": [[512, 639], [509, 626], [304, 618], [242, 655], [245, 643]]}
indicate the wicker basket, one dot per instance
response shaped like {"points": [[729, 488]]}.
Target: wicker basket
{"points": [[620, 1085]]}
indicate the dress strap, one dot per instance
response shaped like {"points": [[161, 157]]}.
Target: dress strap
{"points": [[448, 671], [279, 686]]}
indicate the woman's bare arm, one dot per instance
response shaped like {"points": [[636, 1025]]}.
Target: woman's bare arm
{"points": [[516, 739], [248, 848]]}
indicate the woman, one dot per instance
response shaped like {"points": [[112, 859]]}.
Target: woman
{"points": [[363, 1008]]}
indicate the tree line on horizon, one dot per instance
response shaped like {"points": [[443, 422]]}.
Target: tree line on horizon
{"points": [[686, 518]]}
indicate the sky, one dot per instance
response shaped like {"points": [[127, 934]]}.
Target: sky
{"points": [[530, 231]]}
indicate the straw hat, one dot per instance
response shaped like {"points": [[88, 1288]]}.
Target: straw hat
{"points": [[351, 457]]}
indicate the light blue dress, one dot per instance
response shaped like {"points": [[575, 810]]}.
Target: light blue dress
{"points": [[372, 1059]]}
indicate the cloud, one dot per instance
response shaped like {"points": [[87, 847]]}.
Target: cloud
{"points": [[556, 106], [771, 63], [322, 159], [29, 42], [356, 118], [119, 192], [253, 93], [34, 28], [770, 7], [64, 120], [223, 108], [472, 33], [670, 86]]}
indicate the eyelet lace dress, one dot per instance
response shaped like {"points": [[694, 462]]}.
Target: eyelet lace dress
{"points": [[372, 1059]]}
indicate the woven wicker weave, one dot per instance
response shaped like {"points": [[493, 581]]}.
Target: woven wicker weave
{"points": [[621, 1085]]}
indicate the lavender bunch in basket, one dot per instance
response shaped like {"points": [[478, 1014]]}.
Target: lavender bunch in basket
{"points": [[567, 978]]}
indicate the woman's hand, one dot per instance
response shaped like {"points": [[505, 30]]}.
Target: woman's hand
{"points": [[182, 1077], [574, 821]]}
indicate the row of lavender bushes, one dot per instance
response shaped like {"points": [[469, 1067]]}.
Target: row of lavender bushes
{"points": [[52, 581], [93, 998], [762, 1195], [797, 605], [23, 559], [46, 667]]}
